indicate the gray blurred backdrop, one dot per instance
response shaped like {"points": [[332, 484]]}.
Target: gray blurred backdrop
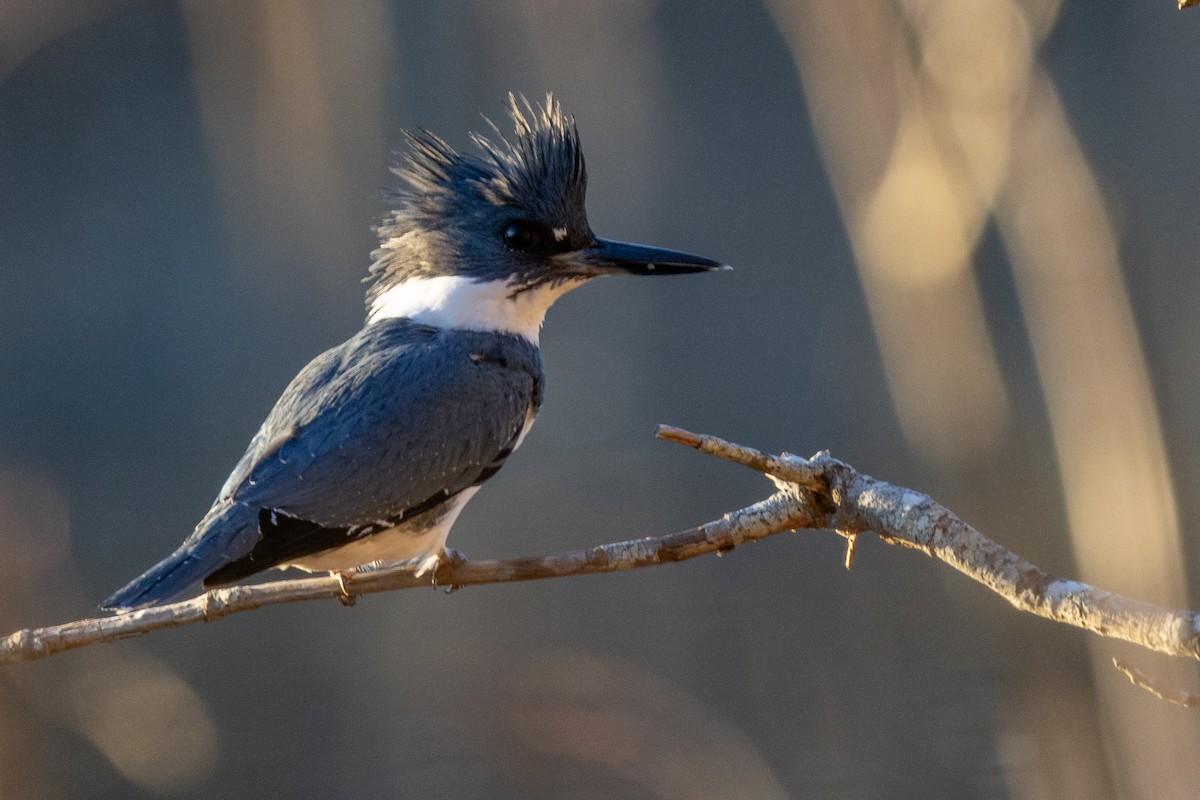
{"points": [[964, 237]]}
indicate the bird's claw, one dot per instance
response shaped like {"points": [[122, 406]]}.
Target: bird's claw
{"points": [[448, 558], [345, 597]]}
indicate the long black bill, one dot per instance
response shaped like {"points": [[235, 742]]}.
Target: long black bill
{"points": [[607, 257]]}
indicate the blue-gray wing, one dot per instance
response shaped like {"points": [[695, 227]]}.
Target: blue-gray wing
{"points": [[396, 417]]}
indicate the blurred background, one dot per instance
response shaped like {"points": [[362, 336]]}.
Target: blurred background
{"points": [[964, 238]]}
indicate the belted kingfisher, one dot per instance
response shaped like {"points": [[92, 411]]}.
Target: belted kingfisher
{"points": [[374, 448]]}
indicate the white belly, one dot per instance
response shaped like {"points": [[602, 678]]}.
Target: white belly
{"points": [[421, 538]]}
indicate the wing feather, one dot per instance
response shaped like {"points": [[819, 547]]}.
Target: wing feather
{"points": [[398, 416]]}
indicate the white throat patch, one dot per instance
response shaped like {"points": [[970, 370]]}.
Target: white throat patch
{"points": [[453, 301]]}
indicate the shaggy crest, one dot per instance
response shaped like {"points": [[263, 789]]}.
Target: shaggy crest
{"points": [[539, 173]]}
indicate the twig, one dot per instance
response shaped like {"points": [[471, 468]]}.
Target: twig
{"points": [[816, 493], [782, 467], [1156, 687]]}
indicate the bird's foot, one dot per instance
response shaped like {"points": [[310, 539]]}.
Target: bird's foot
{"points": [[448, 558], [345, 597]]}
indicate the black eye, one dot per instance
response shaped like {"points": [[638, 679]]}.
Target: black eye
{"points": [[524, 235]]}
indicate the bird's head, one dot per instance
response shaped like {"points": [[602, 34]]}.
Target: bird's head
{"points": [[509, 223]]}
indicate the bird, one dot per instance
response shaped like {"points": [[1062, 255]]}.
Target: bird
{"points": [[373, 449]]}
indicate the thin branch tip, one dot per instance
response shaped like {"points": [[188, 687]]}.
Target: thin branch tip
{"points": [[1154, 686], [670, 433]]}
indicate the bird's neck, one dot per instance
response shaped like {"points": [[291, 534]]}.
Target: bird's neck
{"points": [[454, 301]]}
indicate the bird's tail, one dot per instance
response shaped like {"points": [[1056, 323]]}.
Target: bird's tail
{"points": [[218, 539], [170, 577]]}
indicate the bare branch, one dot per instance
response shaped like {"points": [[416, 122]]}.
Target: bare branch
{"points": [[775, 514], [816, 493]]}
